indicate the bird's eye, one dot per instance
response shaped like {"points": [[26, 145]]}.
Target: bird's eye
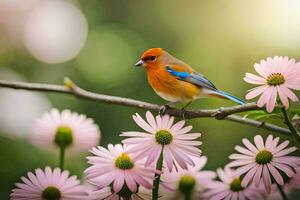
{"points": [[152, 58]]}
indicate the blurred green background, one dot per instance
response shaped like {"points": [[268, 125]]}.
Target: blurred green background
{"points": [[221, 39]]}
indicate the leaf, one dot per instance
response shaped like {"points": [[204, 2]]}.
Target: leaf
{"points": [[261, 115], [294, 113]]}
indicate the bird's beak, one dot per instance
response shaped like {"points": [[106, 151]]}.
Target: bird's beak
{"points": [[139, 63]]}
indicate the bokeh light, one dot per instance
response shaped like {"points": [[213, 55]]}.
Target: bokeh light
{"points": [[19, 108], [55, 31], [109, 54]]}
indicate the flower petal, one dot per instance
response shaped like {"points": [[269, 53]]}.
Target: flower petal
{"points": [[141, 123], [276, 175], [264, 98], [256, 91], [283, 98], [266, 178], [272, 100], [261, 69], [253, 79], [244, 150], [249, 145], [130, 182], [151, 120], [285, 151], [289, 93], [259, 142], [118, 183], [249, 176]]}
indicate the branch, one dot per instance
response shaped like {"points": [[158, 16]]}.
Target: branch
{"points": [[221, 113]]}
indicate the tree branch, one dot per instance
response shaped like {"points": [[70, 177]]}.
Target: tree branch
{"points": [[221, 113]]}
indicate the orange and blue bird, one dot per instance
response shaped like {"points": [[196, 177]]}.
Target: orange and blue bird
{"points": [[175, 81]]}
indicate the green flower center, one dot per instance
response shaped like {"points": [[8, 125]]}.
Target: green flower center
{"points": [[63, 136], [163, 137], [51, 193], [186, 184], [264, 157], [236, 185], [275, 79], [124, 162]]}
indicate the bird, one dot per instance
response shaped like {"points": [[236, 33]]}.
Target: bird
{"points": [[177, 82]]}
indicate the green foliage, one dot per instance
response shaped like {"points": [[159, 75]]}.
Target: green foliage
{"points": [[294, 113], [263, 115]]}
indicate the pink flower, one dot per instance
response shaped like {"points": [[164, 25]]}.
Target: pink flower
{"points": [[277, 75], [65, 129], [264, 160], [230, 188], [192, 181], [177, 144], [49, 185], [118, 167]]}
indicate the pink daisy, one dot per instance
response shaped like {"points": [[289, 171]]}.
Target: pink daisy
{"points": [[264, 160], [277, 76], [190, 181], [118, 167], [230, 188], [49, 185], [175, 140], [65, 130]]}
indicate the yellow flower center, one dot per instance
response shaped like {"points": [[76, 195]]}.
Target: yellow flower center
{"points": [[263, 157], [124, 162], [275, 79], [163, 137]]}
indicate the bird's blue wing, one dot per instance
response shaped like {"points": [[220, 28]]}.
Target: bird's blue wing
{"points": [[199, 80], [194, 78]]}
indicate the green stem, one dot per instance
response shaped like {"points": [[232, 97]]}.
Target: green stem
{"points": [[61, 158], [295, 134], [156, 181], [187, 195], [283, 195]]}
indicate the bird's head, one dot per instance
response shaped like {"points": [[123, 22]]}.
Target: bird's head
{"points": [[152, 58]]}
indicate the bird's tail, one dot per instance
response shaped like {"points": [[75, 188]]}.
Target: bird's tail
{"points": [[225, 95]]}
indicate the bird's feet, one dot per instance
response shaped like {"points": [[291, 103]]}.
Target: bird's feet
{"points": [[163, 109]]}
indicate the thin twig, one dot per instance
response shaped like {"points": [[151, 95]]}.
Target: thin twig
{"points": [[258, 124], [221, 113]]}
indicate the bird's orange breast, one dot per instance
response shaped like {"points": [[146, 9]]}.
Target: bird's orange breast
{"points": [[170, 88]]}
